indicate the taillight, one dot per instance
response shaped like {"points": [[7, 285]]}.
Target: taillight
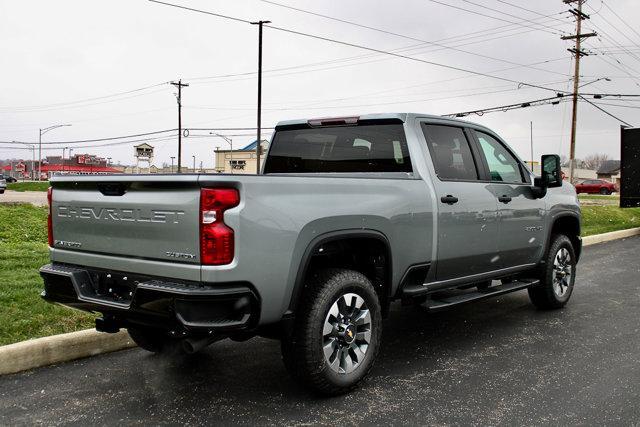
{"points": [[49, 219], [216, 238]]}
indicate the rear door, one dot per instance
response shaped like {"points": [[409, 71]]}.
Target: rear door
{"points": [[467, 223], [520, 214]]}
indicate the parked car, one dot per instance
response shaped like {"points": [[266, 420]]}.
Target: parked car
{"points": [[3, 185], [596, 186], [9, 179], [348, 215]]}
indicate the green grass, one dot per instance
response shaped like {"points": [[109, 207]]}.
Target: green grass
{"points": [[28, 186], [602, 219], [615, 197], [23, 250]]}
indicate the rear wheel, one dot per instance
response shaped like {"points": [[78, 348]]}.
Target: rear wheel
{"points": [[557, 276], [337, 333], [153, 340]]}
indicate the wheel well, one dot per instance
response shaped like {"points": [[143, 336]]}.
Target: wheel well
{"points": [[367, 255], [570, 227]]}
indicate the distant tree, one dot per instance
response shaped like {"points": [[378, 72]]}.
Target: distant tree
{"points": [[564, 161], [594, 161]]}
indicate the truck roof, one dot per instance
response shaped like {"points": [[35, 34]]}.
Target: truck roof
{"points": [[380, 116]]}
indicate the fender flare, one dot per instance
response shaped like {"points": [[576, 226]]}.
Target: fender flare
{"points": [[329, 237], [553, 220]]}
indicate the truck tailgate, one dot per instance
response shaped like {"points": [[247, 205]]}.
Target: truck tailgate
{"points": [[151, 219]]}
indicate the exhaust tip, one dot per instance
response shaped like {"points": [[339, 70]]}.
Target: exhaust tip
{"points": [[194, 345]]}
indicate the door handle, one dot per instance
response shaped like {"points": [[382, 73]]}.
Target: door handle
{"points": [[449, 199], [504, 199]]}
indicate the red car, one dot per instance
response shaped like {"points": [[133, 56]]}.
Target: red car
{"points": [[595, 186]]}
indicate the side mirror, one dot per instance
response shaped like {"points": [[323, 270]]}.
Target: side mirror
{"points": [[551, 170]]}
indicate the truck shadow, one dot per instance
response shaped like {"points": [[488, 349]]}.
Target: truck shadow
{"points": [[415, 343]]}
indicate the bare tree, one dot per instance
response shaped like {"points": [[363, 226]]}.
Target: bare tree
{"points": [[564, 161], [594, 161]]}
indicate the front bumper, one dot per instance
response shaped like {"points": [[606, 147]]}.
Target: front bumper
{"points": [[182, 308]]}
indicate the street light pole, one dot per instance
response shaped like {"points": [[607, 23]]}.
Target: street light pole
{"points": [[194, 164], [40, 133], [172, 158], [230, 141]]}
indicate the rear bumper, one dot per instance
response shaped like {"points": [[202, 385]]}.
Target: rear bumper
{"points": [[185, 308]]}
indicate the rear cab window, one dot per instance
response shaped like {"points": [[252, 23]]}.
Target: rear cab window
{"points": [[368, 146]]}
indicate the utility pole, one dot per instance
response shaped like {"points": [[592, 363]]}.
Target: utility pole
{"points": [[180, 85], [194, 164], [258, 137], [531, 128], [172, 157], [578, 53]]}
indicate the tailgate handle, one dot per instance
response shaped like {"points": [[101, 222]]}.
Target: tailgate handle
{"points": [[112, 189]]}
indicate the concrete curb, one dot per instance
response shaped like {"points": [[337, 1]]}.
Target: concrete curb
{"points": [[39, 352], [605, 237]]}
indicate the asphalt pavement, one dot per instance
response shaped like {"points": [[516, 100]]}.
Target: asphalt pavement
{"points": [[495, 362]]}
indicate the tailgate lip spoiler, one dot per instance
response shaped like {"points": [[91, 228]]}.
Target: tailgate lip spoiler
{"points": [[172, 178]]}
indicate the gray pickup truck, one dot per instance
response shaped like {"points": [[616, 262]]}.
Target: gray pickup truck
{"points": [[348, 215]]}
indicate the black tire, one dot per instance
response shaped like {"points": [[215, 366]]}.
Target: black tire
{"points": [[303, 353], [153, 340], [605, 191], [555, 289]]}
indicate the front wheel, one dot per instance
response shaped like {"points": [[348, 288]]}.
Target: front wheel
{"points": [[557, 277], [605, 191], [337, 333]]}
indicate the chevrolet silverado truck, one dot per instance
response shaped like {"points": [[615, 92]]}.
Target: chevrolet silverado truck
{"points": [[346, 216]]}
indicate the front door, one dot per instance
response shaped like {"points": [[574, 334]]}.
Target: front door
{"points": [[520, 215], [467, 217]]}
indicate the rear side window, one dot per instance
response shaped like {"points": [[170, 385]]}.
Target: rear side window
{"points": [[362, 148], [450, 152], [502, 165]]}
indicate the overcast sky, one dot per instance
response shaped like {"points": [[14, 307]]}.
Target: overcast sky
{"points": [[63, 60]]}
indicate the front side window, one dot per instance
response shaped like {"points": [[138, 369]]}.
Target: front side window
{"points": [[502, 165], [450, 152], [374, 147]]}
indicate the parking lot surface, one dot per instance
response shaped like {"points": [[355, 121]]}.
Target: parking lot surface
{"points": [[494, 362], [38, 198]]}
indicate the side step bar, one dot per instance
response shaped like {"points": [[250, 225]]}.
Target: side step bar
{"points": [[443, 300]]}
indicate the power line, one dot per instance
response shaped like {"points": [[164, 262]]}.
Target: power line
{"points": [[89, 99], [494, 17], [554, 100], [530, 11], [605, 111], [63, 107], [372, 49], [617, 105], [485, 7], [404, 36], [79, 141]]}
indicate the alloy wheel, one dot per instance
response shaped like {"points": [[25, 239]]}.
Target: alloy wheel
{"points": [[346, 333], [562, 272]]}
